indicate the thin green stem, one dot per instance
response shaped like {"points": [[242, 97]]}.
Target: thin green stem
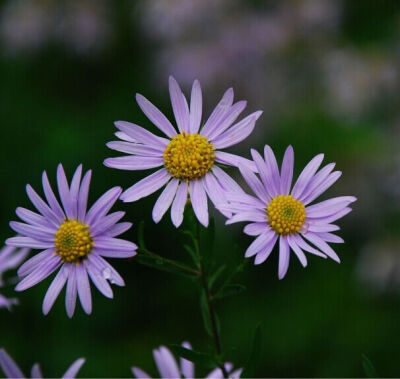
{"points": [[210, 306], [179, 266]]}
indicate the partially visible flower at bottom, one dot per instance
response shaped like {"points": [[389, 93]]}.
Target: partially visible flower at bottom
{"points": [[73, 239], [168, 367], [11, 369], [10, 257]]}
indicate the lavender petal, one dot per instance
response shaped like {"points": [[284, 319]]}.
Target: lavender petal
{"points": [[218, 113], [34, 219], [178, 206], [155, 116], [39, 274], [179, 105], [234, 160], [42, 207], [134, 149], [98, 279], [228, 119], [237, 132], [29, 242], [74, 191], [255, 184], [196, 107], [51, 197], [134, 163], [10, 368], [299, 253], [84, 195], [198, 198], [83, 286], [287, 171], [142, 135], [39, 233], [306, 175], [70, 296], [74, 369], [268, 173], [164, 201], [118, 229], [284, 257], [103, 205], [146, 186], [54, 289], [166, 363], [64, 191]]}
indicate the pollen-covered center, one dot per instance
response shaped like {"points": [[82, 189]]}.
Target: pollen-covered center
{"points": [[286, 215], [73, 241], [189, 156]]}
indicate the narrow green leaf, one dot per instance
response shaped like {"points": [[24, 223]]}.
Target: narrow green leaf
{"points": [[255, 355], [236, 269], [229, 291], [164, 265], [192, 254], [205, 313], [368, 367], [194, 356], [216, 275]]}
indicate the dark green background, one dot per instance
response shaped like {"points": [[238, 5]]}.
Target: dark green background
{"points": [[57, 106]]}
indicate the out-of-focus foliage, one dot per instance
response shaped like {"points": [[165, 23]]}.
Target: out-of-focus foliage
{"points": [[326, 74]]}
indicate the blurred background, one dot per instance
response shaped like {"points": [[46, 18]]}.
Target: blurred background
{"points": [[325, 72]]}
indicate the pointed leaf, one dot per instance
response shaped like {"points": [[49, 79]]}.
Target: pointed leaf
{"points": [[368, 367]]}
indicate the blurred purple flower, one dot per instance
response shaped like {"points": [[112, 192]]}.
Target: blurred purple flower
{"points": [[189, 156], [218, 41], [24, 25], [379, 266], [355, 82], [73, 238], [83, 26], [278, 212], [10, 258], [11, 369], [168, 367]]}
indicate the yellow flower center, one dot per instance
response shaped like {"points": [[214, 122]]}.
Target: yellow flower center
{"points": [[286, 215], [189, 156], [73, 241]]}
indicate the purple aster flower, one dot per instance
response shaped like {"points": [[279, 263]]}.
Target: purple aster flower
{"points": [[277, 212], [10, 258], [11, 369], [188, 157], [168, 367], [73, 239]]}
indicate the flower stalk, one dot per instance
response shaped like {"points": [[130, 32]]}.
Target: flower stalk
{"points": [[207, 293]]}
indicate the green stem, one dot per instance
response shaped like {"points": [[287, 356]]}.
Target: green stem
{"points": [[210, 306], [179, 266]]}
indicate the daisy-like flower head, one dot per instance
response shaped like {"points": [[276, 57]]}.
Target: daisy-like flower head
{"points": [[11, 369], [10, 258], [168, 367], [73, 239], [188, 157], [277, 212]]}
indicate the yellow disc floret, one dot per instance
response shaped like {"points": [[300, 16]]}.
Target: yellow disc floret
{"points": [[73, 241], [189, 156], [286, 214]]}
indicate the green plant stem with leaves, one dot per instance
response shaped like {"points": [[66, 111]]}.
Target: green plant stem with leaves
{"points": [[210, 313], [206, 274]]}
